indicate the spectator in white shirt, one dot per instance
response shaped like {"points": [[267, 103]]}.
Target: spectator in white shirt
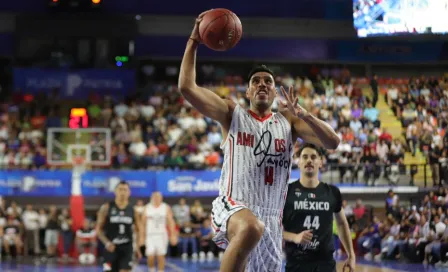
{"points": [[214, 136], [31, 222], [138, 149]]}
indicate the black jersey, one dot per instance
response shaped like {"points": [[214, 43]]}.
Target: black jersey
{"points": [[119, 224], [311, 209]]}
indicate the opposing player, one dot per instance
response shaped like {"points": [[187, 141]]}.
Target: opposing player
{"points": [[308, 219], [158, 225], [258, 149], [115, 228]]}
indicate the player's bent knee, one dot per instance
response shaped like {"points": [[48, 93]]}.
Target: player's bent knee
{"points": [[252, 231], [246, 227]]}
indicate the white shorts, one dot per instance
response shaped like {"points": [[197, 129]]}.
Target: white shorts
{"points": [[267, 255], [156, 244]]}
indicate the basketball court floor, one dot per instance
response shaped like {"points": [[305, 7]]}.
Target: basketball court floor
{"points": [[177, 265]]}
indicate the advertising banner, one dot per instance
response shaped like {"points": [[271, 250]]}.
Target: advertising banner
{"points": [[76, 84]]}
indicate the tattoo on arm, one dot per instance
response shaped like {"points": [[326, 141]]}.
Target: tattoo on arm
{"points": [[102, 214]]}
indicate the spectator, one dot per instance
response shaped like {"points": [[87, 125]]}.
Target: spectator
{"points": [[65, 222], [181, 212], [205, 240], [12, 236], [43, 221], [86, 240], [52, 233], [31, 222]]}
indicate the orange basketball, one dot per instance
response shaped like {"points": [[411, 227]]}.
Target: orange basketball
{"points": [[220, 29]]}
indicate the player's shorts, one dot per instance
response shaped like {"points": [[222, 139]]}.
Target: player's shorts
{"points": [[313, 266], [267, 255], [120, 259], [156, 244]]}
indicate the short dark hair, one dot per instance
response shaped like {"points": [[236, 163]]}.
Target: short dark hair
{"points": [[123, 182], [312, 146], [260, 68]]}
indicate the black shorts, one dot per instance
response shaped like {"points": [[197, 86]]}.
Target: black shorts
{"points": [[120, 259], [307, 266]]}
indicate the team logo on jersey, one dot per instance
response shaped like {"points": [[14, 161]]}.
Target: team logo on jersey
{"points": [[311, 195], [297, 192], [122, 213], [114, 211]]}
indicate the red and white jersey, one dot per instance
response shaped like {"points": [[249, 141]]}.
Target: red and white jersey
{"points": [[257, 159], [156, 219]]}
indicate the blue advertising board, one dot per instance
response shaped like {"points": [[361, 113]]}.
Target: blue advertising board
{"points": [[98, 183], [188, 183], [35, 183], [77, 83], [102, 183]]}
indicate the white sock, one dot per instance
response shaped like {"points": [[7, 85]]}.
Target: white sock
{"points": [[152, 269]]}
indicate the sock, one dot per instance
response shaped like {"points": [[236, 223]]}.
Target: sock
{"points": [[152, 269]]}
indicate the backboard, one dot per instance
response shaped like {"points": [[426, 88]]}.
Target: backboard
{"points": [[93, 145]]}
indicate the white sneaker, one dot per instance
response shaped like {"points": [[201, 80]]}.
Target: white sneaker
{"points": [[194, 257], [220, 255], [210, 256], [184, 256], [201, 256], [378, 257], [368, 256]]}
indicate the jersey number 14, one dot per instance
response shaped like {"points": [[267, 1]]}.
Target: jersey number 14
{"points": [[269, 175], [311, 222]]}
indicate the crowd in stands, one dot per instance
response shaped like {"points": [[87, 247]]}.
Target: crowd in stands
{"points": [[159, 129], [422, 106], [417, 233]]}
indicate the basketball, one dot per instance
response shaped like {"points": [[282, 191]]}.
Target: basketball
{"points": [[220, 29]]}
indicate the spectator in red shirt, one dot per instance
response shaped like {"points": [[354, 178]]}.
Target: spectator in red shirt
{"points": [[386, 136], [359, 209]]}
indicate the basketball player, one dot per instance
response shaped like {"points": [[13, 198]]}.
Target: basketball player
{"points": [[258, 149], [308, 219], [115, 228], [157, 217]]}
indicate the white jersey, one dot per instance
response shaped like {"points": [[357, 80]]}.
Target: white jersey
{"points": [[257, 159], [156, 219]]}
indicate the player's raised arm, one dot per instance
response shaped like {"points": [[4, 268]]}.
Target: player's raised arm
{"points": [[101, 221], [205, 101]]}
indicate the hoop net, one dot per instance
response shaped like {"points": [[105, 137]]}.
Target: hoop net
{"points": [[79, 165]]}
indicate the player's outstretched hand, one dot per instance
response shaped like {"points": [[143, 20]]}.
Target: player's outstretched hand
{"points": [[304, 237], [195, 33], [349, 265], [291, 102]]}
